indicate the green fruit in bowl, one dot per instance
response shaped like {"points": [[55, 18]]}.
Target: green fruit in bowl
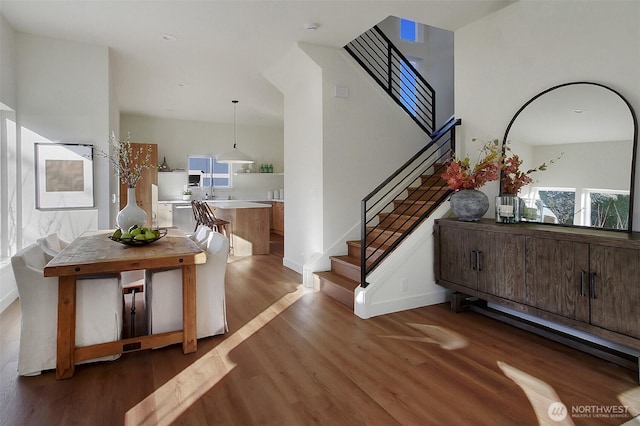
{"points": [[126, 236], [136, 231], [139, 237], [149, 235], [132, 227], [156, 233], [117, 234]]}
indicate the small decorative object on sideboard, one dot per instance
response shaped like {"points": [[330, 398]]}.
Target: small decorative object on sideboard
{"points": [[467, 202], [187, 194], [508, 208]]}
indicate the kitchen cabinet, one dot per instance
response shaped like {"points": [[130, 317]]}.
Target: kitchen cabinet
{"points": [[144, 191], [277, 217], [587, 279], [165, 215]]}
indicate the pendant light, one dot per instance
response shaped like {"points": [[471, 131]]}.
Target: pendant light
{"points": [[235, 155]]}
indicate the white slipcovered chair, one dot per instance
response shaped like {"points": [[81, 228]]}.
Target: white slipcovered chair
{"points": [[52, 244], [201, 235], [164, 293], [98, 311]]}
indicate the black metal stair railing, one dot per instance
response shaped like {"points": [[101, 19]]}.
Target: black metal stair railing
{"points": [[395, 195], [396, 75]]}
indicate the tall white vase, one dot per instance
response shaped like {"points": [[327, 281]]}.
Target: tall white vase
{"points": [[131, 214]]}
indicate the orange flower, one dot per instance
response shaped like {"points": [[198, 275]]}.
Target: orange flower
{"points": [[460, 175], [513, 179]]}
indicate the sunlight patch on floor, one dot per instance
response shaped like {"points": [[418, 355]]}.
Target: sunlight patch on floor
{"points": [[173, 398], [543, 398], [441, 336], [631, 399]]}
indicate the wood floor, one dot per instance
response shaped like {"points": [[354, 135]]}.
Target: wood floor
{"points": [[297, 357]]}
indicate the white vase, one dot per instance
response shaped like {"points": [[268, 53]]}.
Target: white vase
{"points": [[131, 214]]}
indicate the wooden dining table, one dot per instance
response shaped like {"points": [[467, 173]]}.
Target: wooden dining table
{"points": [[94, 253]]}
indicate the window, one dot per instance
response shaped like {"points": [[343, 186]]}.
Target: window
{"points": [[408, 87], [217, 175], [606, 209], [558, 205], [408, 30]]}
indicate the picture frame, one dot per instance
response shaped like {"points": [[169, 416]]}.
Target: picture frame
{"points": [[64, 176]]}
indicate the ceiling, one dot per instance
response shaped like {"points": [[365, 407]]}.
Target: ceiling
{"points": [[221, 47]]}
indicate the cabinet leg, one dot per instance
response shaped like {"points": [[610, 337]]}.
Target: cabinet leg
{"points": [[459, 302]]}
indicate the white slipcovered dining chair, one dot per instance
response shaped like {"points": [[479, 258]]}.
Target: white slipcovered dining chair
{"points": [[164, 293], [52, 244], [98, 311]]}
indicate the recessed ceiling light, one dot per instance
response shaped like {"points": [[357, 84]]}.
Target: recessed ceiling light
{"points": [[182, 84], [578, 111], [169, 37], [311, 26]]}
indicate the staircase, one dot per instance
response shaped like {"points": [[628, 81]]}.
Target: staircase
{"points": [[341, 281], [398, 205]]}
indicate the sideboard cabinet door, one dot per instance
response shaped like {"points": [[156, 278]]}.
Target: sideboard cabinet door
{"points": [[558, 277], [507, 273], [615, 289]]}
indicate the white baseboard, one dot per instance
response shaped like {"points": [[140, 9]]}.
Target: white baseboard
{"points": [[397, 305]]}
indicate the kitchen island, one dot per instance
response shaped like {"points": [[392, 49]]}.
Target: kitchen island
{"points": [[250, 225]]}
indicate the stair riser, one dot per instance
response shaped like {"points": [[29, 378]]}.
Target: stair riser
{"points": [[426, 194], [337, 292], [411, 209], [386, 238], [372, 254], [394, 222], [433, 180], [346, 269]]}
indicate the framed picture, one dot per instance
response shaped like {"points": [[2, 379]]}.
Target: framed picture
{"points": [[64, 176]]}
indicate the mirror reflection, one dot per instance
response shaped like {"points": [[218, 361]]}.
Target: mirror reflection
{"points": [[593, 131]]}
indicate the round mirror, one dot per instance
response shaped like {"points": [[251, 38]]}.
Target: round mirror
{"points": [[590, 130]]}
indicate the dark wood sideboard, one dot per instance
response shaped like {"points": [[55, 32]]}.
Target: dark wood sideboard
{"points": [[586, 279]]}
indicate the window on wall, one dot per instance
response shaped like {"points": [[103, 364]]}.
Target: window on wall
{"points": [[608, 209], [408, 86], [214, 174], [408, 30]]}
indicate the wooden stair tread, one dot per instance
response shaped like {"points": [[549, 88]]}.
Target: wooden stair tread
{"points": [[338, 279]]}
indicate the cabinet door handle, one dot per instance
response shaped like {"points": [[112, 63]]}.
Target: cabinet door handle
{"points": [[478, 259], [582, 274], [473, 259], [592, 285]]}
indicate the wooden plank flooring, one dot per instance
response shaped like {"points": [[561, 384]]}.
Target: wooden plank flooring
{"points": [[297, 357]]}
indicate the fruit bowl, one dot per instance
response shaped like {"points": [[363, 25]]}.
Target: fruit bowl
{"points": [[138, 242]]}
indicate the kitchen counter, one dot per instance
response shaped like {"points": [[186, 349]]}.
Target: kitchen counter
{"points": [[237, 204]]}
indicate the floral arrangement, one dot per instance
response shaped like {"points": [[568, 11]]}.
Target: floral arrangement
{"points": [[512, 177], [459, 174], [130, 164]]}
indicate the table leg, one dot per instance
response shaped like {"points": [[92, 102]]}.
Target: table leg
{"points": [[189, 323], [65, 362]]}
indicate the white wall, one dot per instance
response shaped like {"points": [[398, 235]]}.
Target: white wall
{"points": [[300, 81], [508, 57], [8, 163], [63, 96], [177, 139]]}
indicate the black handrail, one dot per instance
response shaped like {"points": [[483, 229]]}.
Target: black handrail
{"points": [[374, 236], [394, 73]]}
